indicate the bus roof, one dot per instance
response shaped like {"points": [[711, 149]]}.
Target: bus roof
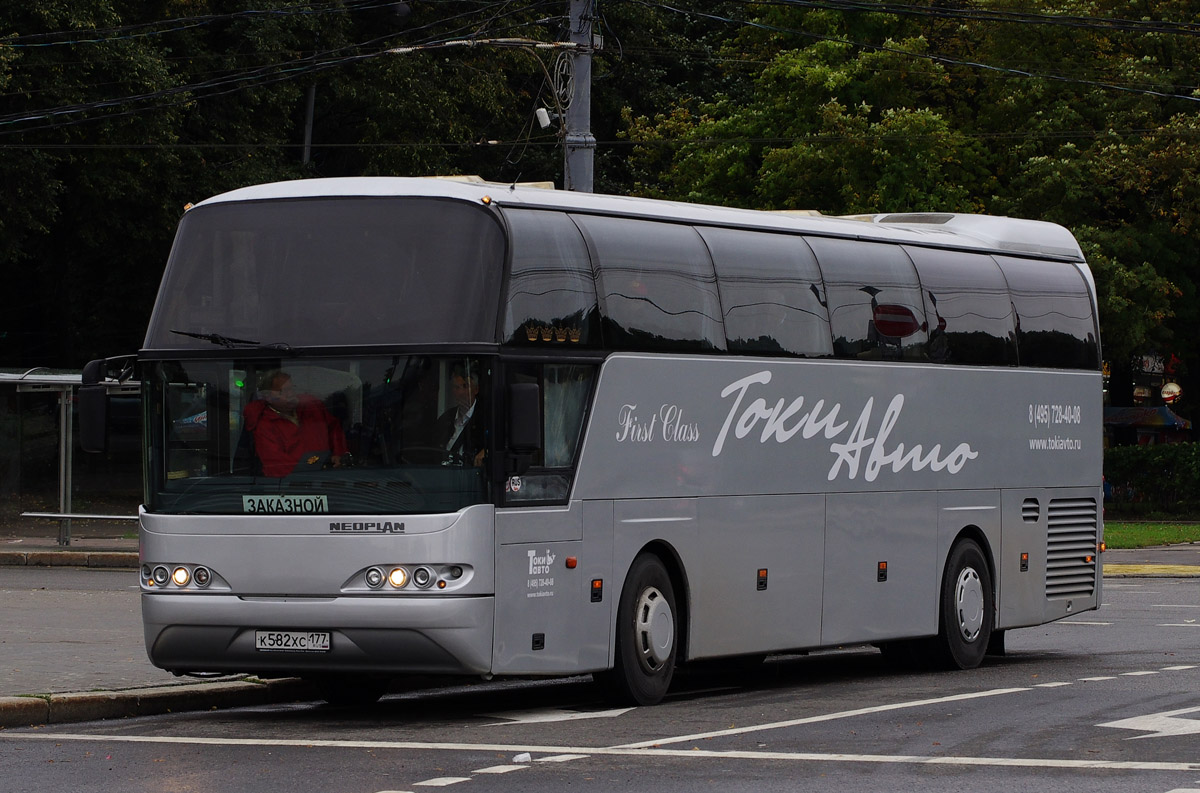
{"points": [[942, 229]]}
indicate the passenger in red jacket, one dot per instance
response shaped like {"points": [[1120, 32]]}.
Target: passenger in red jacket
{"points": [[289, 427]]}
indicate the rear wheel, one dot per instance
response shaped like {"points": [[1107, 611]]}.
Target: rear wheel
{"points": [[967, 613], [647, 636]]}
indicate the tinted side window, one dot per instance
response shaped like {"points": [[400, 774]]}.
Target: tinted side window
{"points": [[969, 313], [875, 306], [656, 284], [551, 296], [770, 292], [1055, 324]]}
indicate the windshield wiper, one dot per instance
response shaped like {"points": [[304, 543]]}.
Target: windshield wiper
{"points": [[215, 338]]}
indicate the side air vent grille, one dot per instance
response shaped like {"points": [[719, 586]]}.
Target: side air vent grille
{"points": [[1071, 547], [1031, 510]]}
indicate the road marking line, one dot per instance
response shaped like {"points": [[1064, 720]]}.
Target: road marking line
{"points": [[499, 769], [815, 719], [616, 751], [1178, 668], [1138, 674], [1082, 622], [442, 781], [561, 758], [1097, 679], [1159, 724], [1179, 625], [1051, 685], [545, 715]]}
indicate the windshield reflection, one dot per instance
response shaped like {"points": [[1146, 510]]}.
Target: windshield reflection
{"points": [[367, 435]]}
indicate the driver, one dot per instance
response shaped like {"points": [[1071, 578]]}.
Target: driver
{"points": [[457, 430]]}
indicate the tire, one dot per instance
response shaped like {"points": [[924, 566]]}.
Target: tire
{"points": [[350, 690], [647, 636], [967, 614]]}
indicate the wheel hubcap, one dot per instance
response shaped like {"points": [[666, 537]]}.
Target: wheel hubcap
{"points": [[654, 629], [968, 599]]}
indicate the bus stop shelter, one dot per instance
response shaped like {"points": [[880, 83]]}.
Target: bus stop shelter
{"points": [[37, 425]]}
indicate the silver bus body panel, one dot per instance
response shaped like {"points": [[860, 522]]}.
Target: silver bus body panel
{"points": [[385, 635], [296, 572], [693, 448], [684, 426], [546, 620]]}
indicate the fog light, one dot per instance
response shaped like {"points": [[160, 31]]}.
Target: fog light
{"points": [[145, 571], [374, 577], [160, 575], [181, 576], [422, 577], [455, 572], [398, 577], [202, 576]]}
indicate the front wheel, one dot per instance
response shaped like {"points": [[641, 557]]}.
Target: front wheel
{"points": [[647, 636], [967, 614]]}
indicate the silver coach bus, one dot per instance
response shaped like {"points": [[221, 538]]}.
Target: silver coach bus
{"points": [[543, 433]]}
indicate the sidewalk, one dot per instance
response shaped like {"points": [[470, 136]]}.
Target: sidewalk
{"points": [[94, 543], [86, 660]]}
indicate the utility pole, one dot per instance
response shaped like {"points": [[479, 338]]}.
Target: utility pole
{"points": [[580, 145]]}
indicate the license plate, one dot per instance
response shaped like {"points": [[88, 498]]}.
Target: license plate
{"points": [[291, 641]]}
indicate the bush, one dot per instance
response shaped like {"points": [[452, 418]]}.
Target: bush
{"points": [[1160, 482]]}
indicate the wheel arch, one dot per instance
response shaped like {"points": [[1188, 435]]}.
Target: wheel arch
{"points": [[973, 532], [677, 572]]}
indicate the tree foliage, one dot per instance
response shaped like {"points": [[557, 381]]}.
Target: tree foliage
{"points": [[1085, 116], [114, 114]]}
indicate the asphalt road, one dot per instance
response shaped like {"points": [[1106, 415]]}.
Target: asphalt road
{"points": [[1105, 701]]}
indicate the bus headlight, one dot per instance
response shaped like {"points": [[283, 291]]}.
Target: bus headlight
{"points": [[398, 577], [422, 577], [374, 577], [181, 576], [160, 575], [202, 577]]}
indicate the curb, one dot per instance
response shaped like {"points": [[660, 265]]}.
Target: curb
{"points": [[1151, 571], [33, 711], [116, 560]]}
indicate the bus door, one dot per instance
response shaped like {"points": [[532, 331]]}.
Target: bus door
{"points": [[550, 618]]}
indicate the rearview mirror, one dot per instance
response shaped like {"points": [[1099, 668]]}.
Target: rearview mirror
{"points": [[93, 407]]}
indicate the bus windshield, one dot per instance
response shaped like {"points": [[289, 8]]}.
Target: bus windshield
{"points": [[330, 272], [359, 436]]}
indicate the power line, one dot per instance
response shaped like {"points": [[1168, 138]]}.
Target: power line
{"points": [[251, 78], [174, 25], [550, 140], [925, 56], [994, 15]]}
